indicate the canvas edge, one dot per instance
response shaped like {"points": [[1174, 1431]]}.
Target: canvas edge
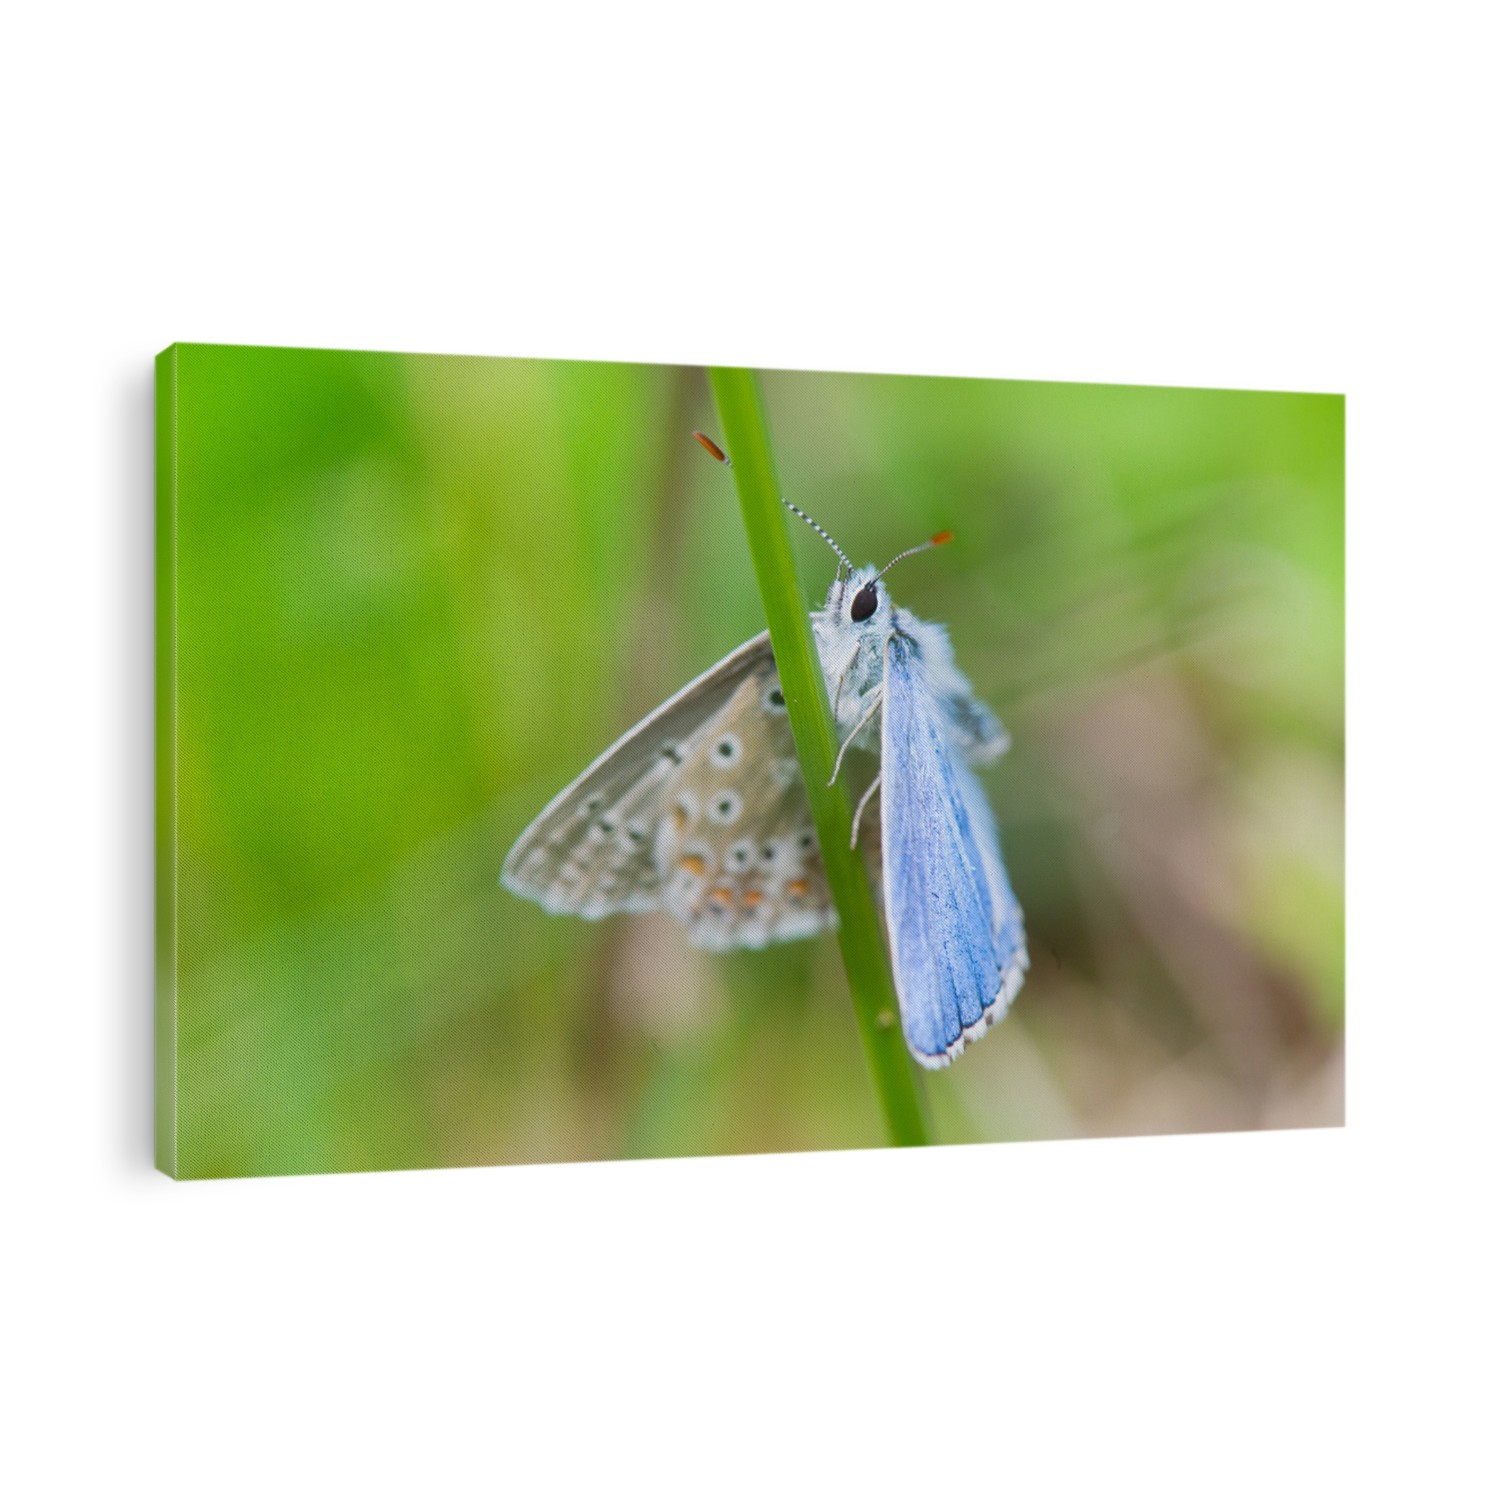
{"points": [[165, 720]]}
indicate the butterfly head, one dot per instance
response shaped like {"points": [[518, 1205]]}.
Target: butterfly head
{"points": [[860, 602], [857, 599]]}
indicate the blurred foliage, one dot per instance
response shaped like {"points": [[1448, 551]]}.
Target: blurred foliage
{"points": [[418, 594]]}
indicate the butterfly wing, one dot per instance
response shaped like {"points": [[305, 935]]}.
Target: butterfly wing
{"points": [[700, 808], [972, 726], [979, 734], [1010, 930], [957, 944], [591, 850], [736, 848]]}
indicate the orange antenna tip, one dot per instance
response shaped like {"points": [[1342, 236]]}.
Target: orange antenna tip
{"points": [[712, 448], [941, 537]]}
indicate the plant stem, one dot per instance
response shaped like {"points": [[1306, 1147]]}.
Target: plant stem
{"points": [[742, 411]]}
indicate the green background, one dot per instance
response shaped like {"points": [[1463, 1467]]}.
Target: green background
{"points": [[409, 597]]}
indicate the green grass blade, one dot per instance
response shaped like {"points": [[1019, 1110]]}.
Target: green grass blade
{"points": [[737, 393]]}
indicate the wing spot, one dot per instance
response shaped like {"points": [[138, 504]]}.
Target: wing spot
{"points": [[752, 898], [785, 771], [693, 864], [728, 752], [806, 839], [636, 832], [796, 890], [773, 700], [726, 807], [721, 898], [592, 805], [672, 751], [739, 856]]}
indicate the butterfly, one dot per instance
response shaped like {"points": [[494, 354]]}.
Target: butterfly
{"points": [[700, 810]]}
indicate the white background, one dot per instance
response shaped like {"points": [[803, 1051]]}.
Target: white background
{"points": [[1270, 195]]}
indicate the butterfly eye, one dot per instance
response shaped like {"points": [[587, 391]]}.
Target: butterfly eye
{"points": [[864, 603]]}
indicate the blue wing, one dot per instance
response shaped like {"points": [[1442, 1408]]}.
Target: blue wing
{"points": [[957, 942]]}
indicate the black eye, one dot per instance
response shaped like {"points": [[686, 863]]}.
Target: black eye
{"points": [[864, 603]]}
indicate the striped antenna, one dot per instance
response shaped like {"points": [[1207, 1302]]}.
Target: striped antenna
{"points": [[927, 546], [798, 511], [715, 451]]}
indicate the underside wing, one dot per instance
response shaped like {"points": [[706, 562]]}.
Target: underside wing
{"points": [[699, 809], [953, 923], [591, 850], [736, 848]]}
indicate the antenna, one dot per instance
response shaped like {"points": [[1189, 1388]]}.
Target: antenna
{"points": [[715, 451], [798, 511], [936, 540]]}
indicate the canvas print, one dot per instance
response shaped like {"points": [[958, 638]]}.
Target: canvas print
{"points": [[566, 761]]}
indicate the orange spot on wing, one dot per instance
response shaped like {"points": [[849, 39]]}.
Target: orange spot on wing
{"points": [[752, 898], [692, 863], [721, 896], [796, 889]]}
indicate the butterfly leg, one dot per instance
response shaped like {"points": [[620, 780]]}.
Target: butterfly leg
{"points": [[858, 730], [838, 681], [859, 812]]}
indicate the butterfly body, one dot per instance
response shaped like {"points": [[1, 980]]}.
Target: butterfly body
{"points": [[856, 648], [700, 810]]}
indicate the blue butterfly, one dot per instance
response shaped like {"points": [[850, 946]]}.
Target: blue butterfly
{"points": [[958, 946], [700, 810]]}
